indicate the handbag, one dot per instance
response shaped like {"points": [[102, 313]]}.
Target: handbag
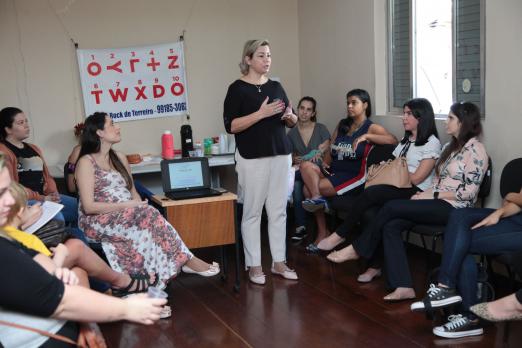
{"points": [[392, 172], [53, 233]]}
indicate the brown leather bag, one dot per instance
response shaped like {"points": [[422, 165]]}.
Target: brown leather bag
{"points": [[392, 172]]}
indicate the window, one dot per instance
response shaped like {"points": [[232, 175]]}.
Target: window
{"points": [[436, 52]]}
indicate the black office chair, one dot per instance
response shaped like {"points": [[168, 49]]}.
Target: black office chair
{"points": [[343, 204], [435, 232]]}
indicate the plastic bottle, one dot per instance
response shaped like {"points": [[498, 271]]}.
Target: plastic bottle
{"points": [[167, 145]]}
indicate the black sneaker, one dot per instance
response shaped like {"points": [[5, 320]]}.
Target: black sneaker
{"points": [[437, 297], [299, 235], [458, 326]]}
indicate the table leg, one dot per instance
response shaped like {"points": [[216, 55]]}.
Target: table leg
{"points": [[224, 263], [238, 259]]}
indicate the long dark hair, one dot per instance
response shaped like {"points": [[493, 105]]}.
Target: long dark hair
{"points": [[7, 116], [469, 117], [346, 123], [314, 106], [90, 143], [422, 110]]}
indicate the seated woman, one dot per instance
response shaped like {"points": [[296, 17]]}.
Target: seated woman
{"points": [[134, 235], [73, 253], [473, 231], [309, 140], [344, 167], [27, 166], [33, 295], [458, 175], [504, 309], [421, 147]]}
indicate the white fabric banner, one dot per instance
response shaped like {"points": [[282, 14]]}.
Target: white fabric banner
{"points": [[134, 83]]}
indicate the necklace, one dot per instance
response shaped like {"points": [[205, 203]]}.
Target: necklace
{"points": [[258, 88]]}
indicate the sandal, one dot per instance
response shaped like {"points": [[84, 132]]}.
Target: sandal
{"points": [[142, 284]]}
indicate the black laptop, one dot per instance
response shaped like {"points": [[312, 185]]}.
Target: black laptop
{"points": [[186, 178]]}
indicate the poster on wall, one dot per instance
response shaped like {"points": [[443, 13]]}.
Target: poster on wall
{"points": [[134, 83]]}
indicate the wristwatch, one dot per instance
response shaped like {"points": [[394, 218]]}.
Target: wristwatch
{"points": [[436, 195]]}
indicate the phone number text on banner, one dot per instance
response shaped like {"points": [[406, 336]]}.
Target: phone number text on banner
{"points": [[134, 83]]}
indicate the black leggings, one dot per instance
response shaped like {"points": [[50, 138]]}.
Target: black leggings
{"points": [[372, 197]]}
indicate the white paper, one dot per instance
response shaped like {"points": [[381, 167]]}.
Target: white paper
{"points": [[49, 210]]}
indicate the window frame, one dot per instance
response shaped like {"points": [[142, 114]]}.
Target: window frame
{"points": [[390, 56]]}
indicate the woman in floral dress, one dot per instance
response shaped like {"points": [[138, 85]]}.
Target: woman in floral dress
{"points": [[134, 235]]}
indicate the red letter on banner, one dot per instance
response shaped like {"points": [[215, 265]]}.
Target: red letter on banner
{"points": [[153, 64], [132, 62], [118, 94], [177, 89], [173, 60], [94, 69], [115, 67], [97, 95], [158, 91], [141, 92]]}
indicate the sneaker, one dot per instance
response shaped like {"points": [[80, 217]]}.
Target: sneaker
{"points": [[437, 297], [313, 205], [458, 326], [299, 235]]}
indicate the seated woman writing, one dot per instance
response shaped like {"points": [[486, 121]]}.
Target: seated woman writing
{"points": [[44, 297], [421, 147], [135, 237], [343, 169], [73, 253]]}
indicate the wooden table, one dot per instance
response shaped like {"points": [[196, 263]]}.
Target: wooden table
{"points": [[205, 222]]}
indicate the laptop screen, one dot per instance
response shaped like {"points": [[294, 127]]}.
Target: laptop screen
{"points": [[185, 174]]}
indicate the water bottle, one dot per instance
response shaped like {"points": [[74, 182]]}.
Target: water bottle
{"points": [[167, 145], [223, 143]]}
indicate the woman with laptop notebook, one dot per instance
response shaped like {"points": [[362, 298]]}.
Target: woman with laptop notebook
{"points": [[256, 111], [133, 234]]}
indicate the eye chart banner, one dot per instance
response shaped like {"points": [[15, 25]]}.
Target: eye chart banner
{"points": [[134, 83]]}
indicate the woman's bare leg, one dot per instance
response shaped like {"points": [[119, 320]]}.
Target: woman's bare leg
{"points": [[311, 176], [82, 256]]}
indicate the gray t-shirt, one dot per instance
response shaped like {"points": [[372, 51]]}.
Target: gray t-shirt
{"points": [[319, 135]]}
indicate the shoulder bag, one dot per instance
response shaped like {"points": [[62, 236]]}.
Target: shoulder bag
{"points": [[392, 172]]}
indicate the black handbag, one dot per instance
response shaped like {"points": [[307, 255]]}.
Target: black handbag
{"points": [[53, 233]]}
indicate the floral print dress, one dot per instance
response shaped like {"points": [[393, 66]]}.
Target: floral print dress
{"points": [[133, 239]]}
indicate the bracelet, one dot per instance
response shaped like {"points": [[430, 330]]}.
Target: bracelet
{"points": [[436, 195]]}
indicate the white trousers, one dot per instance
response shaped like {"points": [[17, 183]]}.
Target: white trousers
{"points": [[263, 181]]}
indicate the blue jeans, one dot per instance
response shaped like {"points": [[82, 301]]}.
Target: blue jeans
{"points": [[298, 197], [459, 268]]}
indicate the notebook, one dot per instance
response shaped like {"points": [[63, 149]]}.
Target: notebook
{"points": [[186, 178]]}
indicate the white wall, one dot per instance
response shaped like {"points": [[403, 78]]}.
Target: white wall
{"points": [[343, 46], [39, 72]]}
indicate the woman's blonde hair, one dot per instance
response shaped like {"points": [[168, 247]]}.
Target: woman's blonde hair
{"points": [[248, 51], [20, 200]]}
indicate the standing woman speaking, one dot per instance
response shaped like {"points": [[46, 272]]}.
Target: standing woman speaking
{"points": [[256, 111]]}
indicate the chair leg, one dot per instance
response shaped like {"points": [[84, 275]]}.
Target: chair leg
{"points": [[432, 254]]}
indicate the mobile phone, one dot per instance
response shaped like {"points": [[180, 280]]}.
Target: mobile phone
{"points": [[325, 171]]}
